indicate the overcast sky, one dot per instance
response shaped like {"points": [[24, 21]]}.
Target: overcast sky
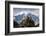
{"points": [[19, 11]]}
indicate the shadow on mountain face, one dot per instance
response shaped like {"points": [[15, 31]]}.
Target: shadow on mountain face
{"points": [[27, 22]]}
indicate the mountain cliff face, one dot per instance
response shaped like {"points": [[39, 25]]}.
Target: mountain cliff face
{"points": [[26, 20], [19, 17]]}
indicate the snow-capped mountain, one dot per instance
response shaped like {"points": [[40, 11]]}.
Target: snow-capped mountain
{"points": [[19, 17]]}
